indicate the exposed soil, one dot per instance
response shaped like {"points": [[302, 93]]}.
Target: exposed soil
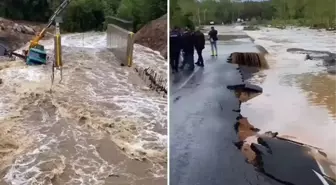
{"points": [[15, 33], [154, 35]]}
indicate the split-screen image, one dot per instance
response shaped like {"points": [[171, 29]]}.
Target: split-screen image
{"points": [[167, 92], [252, 93]]}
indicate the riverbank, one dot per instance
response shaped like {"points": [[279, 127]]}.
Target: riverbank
{"points": [[15, 33]]}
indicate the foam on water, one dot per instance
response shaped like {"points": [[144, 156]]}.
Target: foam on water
{"points": [[149, 58], [239, 27], [298, 98], [96, 96]]}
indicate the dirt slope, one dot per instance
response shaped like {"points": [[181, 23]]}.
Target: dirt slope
{"points": [[14, 33], [154, 35]]}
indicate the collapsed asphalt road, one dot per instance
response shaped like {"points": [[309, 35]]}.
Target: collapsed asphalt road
{"points": [[278, 158], [203, 140]]}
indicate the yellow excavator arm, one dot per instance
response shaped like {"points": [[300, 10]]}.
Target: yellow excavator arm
{"points": [[35, 41]]}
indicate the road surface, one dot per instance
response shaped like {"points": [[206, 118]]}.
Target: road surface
{"points": [[201, 124]]}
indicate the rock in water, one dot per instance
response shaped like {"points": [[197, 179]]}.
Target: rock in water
{"points": [[17, 28], [2, 26], [308, 57], [331, 70], [2, 50], [28, 30]]}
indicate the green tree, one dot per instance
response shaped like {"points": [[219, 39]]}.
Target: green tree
{"points": [[180, 16], [83, 15]]}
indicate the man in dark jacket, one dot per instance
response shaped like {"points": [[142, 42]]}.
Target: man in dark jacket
{"points": [[188, 48], [199, 46], [213, 41], [175, 48]]}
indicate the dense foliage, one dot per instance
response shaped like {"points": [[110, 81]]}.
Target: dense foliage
{"points": [[312, 13], [182, 16], [83, 15]]}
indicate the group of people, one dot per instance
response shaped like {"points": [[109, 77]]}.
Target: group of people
{"points": [[186, 42]]}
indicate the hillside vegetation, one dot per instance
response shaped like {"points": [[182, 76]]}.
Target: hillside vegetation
{"points": [[84, 15], [312, 13]]}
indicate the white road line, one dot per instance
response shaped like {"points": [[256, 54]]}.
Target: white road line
{"points": [[188, 79], [321, 178]]}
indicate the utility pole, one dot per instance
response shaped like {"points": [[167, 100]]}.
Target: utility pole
{"points": [[57, 49], [199, 17], [58, 46], [204, 12], [284, 11]]}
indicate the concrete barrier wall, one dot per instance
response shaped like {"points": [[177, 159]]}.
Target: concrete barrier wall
{"points": [[122, 23], [121, 42]]}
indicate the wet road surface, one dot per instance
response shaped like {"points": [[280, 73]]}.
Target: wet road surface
{"points": [[201, 125]]}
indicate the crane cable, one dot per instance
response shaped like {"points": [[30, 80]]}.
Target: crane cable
{"points": [[52, 75]]}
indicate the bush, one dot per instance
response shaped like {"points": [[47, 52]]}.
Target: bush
{"points": [[182, 21], [251, 28], [141, 11], [84, 15]]}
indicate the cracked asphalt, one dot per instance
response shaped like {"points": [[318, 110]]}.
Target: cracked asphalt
{"points": [[201, 125], [202, 134]]}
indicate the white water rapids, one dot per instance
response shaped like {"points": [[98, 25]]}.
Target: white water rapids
{"points": [[93, 125]]}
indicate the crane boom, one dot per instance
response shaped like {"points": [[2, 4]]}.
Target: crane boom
{"points": [[34, 42]]}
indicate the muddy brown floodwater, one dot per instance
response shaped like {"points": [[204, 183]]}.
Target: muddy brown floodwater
{"points": [[320, 90], [101, 125], [299, 95]]}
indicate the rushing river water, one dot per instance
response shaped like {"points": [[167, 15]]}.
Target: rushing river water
{"points": [[299, 95], [100, 125]]}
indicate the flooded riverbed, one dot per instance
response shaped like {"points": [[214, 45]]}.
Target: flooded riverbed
{"points": [[299, 95], [100, 125]]}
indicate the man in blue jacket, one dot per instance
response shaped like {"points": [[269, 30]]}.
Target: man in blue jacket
{"points": [[175, 48], [188, 48]]}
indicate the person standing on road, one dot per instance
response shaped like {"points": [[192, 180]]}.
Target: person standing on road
{"points": [[175, 48], [188, 49], [199, 46], [213, 40]]}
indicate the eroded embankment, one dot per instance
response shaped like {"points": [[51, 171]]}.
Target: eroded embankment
{"points": [[279, 158], [153, 70], [153, 35]]}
